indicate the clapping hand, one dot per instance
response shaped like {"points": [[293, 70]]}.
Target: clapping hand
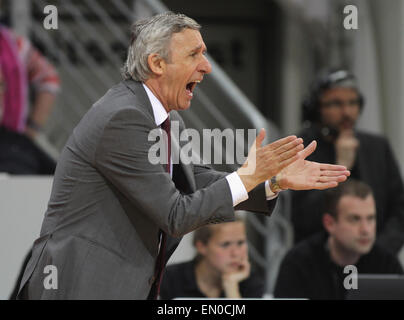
{"points": [[305, 175], [264, 162]]}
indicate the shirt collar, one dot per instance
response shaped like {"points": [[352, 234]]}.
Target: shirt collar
{"points": [[160, 114]]}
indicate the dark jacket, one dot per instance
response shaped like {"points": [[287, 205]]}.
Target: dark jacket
{"points": [[307, 270], [179, 281]]}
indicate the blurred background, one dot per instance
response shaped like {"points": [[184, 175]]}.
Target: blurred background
{"points": [[265, 54]]}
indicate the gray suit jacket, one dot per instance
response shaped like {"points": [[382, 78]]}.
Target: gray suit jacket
{"points": [[108, 203]]}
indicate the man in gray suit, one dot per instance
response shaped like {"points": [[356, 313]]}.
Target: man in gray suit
{"points": [[115, 217]]}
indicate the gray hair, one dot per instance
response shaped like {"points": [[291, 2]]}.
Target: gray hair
{"points": [[153, 35]]}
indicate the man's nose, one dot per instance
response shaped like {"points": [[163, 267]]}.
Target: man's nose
{"points": [[205, 66], [349, 107], [346, 108], [366, 227]]}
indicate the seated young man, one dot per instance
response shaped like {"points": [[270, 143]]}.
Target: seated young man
{"points": [[314, 269]]}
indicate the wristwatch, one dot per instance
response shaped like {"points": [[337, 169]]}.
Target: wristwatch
{"points": [[274, 185]]}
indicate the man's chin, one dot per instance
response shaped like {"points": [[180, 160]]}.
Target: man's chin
{"points": [[181, 107], [364, 249], [345, 127]]}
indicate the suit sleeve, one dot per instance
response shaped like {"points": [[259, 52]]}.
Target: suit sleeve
{"points": [[256, 202], [122, 157]]}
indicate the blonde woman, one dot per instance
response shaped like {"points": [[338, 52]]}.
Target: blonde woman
{"points": [[220, 268]]}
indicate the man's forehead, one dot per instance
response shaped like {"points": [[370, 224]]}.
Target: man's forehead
{"points": [[189, 39], [337, 91], [349, 203]]}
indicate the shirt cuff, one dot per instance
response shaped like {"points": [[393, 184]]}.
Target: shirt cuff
{"points": [[268, 192], [237, 189]]}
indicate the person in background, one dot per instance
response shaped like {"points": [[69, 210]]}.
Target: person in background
{"points": [[314, 268], [24, 72], [333, 108], [220, 269], [28, 87]]}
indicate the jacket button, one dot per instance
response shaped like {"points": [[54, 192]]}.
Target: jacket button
{"points": [[152, 279]]}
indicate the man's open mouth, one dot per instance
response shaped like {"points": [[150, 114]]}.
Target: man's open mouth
{"points": [[191, 86]]}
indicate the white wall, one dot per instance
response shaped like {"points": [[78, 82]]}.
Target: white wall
{"points": [[389, 27], [23, 202]]}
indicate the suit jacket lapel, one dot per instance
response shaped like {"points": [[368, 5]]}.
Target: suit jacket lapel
{"points": [[187, 183], [143, 101], [183, 175]]}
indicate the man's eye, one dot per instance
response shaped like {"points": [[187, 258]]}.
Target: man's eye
{"points": [[333, 103]]}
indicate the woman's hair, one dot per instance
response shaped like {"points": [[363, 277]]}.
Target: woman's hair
{"points": [[205, 233]]}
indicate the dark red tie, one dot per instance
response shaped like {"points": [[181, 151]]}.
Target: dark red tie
{"points": [[167, 128], [159, 268]]}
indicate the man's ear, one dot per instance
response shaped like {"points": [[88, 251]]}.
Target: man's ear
{"points": [[156, 63], [328, 222]]}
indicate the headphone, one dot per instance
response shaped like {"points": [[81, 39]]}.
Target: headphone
{"points": [[311, 103]]}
